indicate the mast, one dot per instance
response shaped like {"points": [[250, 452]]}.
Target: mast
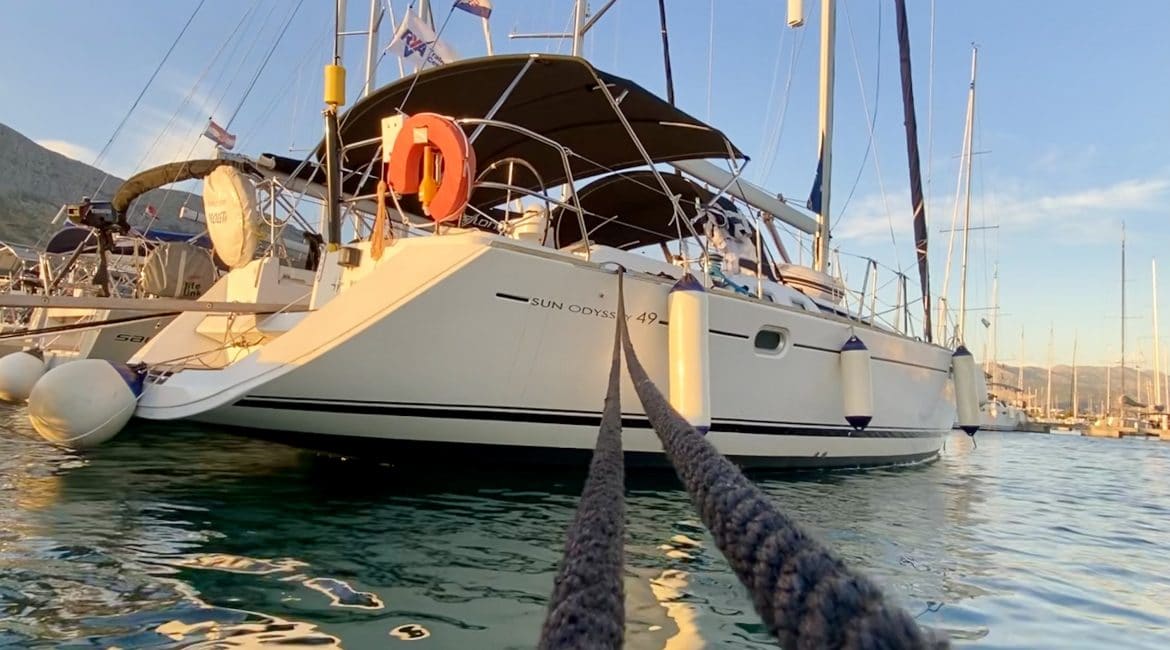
{"points": [[1108, 387], [334, 98], [823, 184], [1122, 405], [666, 51], [372, 48], [917, 199], [1048, 390], [1020, 370], [579, 18], [992, 343], [1075, 398], [1157, 348], [968, 136]]}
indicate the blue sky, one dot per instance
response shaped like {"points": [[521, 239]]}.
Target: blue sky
{"points": [[1073, 115]]}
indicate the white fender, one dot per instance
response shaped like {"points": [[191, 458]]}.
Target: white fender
{"points": [[963, 371], [856, 383], [83, 403], [690, 365], [19, 372]]}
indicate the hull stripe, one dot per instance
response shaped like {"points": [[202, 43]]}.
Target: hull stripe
{"points": [[805, 346], [414, 453], [502, 414]]}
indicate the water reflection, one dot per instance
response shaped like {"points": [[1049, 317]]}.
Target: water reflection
{"points": [[174, 537]]}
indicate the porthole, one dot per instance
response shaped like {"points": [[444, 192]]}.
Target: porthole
{"points": [[771, 340]]}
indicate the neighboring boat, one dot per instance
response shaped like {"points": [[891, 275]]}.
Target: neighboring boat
{"points": [[998, 414], [95, 258], [79, 262], [1120, 423], [456, 328]]}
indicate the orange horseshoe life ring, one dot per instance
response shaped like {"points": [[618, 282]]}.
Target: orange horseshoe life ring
{"points": [[412, 167]]}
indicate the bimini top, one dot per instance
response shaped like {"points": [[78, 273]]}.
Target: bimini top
{"points": [[555, 96], [630, 210]]}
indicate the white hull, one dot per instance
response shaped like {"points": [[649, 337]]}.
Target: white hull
{"points": [[995, 416], [472, 343], [1066, 431], [115, 343]]}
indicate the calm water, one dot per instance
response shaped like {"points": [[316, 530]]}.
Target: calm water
{"points": [[178, 538]]}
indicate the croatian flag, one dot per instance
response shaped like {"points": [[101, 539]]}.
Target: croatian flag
{"points": [[219, 135], [417, 43], [481, 8]]}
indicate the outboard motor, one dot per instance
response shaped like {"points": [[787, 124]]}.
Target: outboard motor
{"points": [[106, 221]]}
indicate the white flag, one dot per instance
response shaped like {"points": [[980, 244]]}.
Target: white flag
{"points": [[417, 43]]}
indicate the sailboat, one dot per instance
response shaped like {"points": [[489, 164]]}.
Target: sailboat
{"points": [[460, 327], [998, 413], [1113, 424], [995, 413]]}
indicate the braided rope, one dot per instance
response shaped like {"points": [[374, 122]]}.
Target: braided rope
{"points": [[806, 596], [587, 607]]}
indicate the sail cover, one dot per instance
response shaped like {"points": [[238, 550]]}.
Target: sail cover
{"points": [[177, 270], [233, 218]]}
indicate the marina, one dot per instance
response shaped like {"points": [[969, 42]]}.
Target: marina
{"points": [[563, 353]]}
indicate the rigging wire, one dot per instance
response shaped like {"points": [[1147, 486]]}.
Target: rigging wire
{"points": [[264, 63], [877, 87], [296, 73], [244, 98], [872, 139], [771, 154], [237, 69], [194, 87], [142, 93], [766, 142], [195, 133]]}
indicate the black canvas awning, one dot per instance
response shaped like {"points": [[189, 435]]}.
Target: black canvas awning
{"points": [[630, 210], [557, 97]]}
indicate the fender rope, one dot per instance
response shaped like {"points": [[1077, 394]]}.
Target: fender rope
{"points": [[805, 594]]}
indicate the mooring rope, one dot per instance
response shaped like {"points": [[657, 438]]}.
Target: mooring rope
{"points": [[587, 608], [805, 594]]}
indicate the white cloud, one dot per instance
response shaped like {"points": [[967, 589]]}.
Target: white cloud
{"points": [[1019, 207], [69, 149]]}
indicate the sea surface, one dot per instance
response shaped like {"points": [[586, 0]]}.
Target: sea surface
{"points": [[185, 537]]}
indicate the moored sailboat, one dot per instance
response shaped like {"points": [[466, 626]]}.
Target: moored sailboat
{"points": [[454, 325]]}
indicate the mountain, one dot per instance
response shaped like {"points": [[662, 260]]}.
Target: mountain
{"points": [[1094, 384], [35, 182]]}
